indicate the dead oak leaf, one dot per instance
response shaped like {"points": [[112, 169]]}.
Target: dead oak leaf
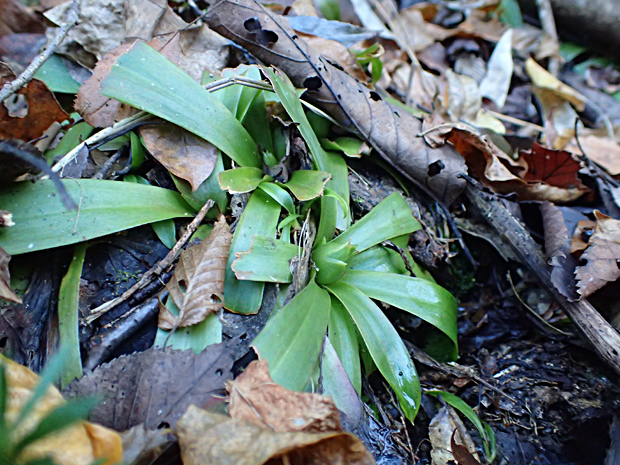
{"points": [[602, 254], [182, 153], [256, 398], [197, 285]]}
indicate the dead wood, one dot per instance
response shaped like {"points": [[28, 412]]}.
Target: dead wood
{"points": [[392, 132], [604, 338]]}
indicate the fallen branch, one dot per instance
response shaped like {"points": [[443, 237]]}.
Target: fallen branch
{"points": [[11, 87]]}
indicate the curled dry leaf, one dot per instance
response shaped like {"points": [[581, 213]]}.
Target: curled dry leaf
{"points": [[257, 399], [40, 109], [182, 153], [208, 438], [80, 444], [446, 428], [389, 130], [5, 279], [602, 254], [197, 285]]}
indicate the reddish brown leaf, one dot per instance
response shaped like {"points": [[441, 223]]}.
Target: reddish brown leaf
{"points": [[182, 153], [40, 106], [5, 279], [197, 285], [156, 387], [602, 254], [555, 167], [14, 17], [256, 398], [461, 454]]}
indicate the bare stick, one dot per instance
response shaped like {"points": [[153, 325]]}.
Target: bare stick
{"points": [[545, 13], [157, 269], [11, 87]]}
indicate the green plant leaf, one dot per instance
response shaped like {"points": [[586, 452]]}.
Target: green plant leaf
{"points": [[292, 338], [166, 232], [485, 431], [72, 138], [256, 122], [279, 195], [384, 344], [426, 300], [331, 163], [56, 76], [343, 336], [260, 218], [137, 151], [195, 337], [68, 316], [331, 260], [391, 218], [104, 207], [350, 146], [145, 79], [337, 384], [268, 260], [379, 258], [240, 180], [307, 184]]}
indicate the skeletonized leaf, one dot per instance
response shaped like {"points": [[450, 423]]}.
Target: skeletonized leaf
{"points": [[197, 286]]}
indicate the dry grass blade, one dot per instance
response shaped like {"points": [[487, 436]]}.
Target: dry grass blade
{"points": [[198, 282]]}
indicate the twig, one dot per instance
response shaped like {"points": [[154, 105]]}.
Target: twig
{"points": [[107, 166], [11, 87], [545, 13], [157, 269]]}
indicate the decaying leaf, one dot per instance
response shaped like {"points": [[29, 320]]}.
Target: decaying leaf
{"points": [[5, 279], [208, 438], [79, 444], [602, 254], [182, 153], [557, 249], [40, 109], [155, 387], [389, 130], [602, 150], [197, 285], [442, 434], [255, 398]]}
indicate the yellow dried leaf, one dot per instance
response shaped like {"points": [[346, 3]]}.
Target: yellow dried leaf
{"points": [[80, 444]]}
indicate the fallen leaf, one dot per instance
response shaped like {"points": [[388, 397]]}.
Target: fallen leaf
{"points": [[542, 79], [557, 249], [42, 109], [602, 255], [12, 166], [441, 432], [15, 17], [208, 438], [255, 398], [5, 279], [143, 446], [79, 444], [461, 453], [496, 82], [155, 387], [197, 285], [602, 150], [581, 236]]}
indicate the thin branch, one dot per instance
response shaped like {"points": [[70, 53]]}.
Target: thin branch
{"points": [[157, 269], [11, 87]]}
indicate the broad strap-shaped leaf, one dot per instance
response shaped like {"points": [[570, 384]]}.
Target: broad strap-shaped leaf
{"points": [[292, 338], [343, 336], [260, 218], [268, 260], [198, 282], [392, 217], [105, 207], [421, 298], [145, 79], [240, 180], [329, 162], [384, 344], [278, 194], [307, 184]]}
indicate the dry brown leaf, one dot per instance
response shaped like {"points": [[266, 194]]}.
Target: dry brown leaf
{"points": [[391, 131], [40, 109], [542, 79], [257, 399], [197, 285], [80, 444], [581, 236], [440, 432], [208, 438], [602, 254], [14, 17], [602, 150], [182, 153], [5, 279]]}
